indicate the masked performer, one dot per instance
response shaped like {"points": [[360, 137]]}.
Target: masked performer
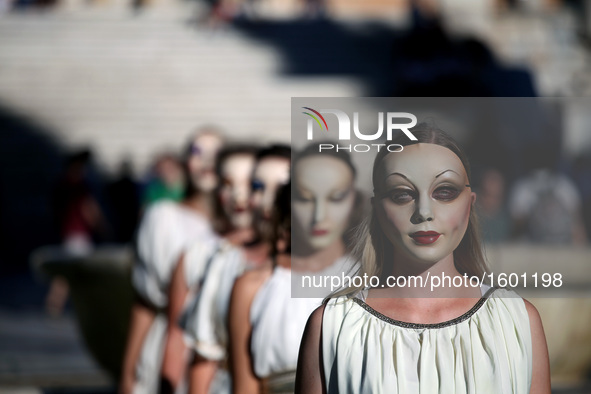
{"points": [[410, 339]]}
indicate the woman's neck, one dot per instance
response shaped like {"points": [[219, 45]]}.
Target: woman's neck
{"points": [[430, 280], [240, 236], [320, 259], [200, 202], [256, 253], [283, 260]]}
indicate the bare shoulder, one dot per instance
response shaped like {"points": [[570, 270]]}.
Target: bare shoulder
{"points": [[312, 338], [535, 325], [540, 360], [315, 319], [250, 282], [310, 376], [534, 316]]}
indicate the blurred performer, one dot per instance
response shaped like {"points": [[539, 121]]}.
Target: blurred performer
{"points": [[167, 181], [460, 338], [166, 229], [233, 225], [214, 270], [265, 322]]}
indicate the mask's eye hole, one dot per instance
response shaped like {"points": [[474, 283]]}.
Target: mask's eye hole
{"points": [[402, 196], [196, 150], [257, 185], [339, 196], [446, 193], [302, 197]]}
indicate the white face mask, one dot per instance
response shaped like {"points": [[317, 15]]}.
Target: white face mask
{"points": [[423, 202], [270, 173], [324, 196], [235, 189], [201, 164]]}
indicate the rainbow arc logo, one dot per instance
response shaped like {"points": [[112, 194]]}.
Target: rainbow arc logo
{"points": [[315, 118]]}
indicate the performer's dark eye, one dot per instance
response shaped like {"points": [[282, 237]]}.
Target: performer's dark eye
{"points": [[301, 197], [402, 196], [339, 196], [257, 185], [446, 193], [195, 150]]}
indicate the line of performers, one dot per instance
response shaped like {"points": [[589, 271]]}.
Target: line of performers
{"points": [[214, 311]]}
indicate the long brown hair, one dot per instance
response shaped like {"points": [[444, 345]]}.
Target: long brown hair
{"points": [[281, 222]]}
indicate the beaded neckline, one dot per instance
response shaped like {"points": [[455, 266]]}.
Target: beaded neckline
{"points": [[447, 323]]}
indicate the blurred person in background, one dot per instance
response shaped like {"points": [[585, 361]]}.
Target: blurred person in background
{"points": [[212, 273], [167, 181], [493, 214], [265, 322], [124, 202], [78, 212], [166, 229], [271, 172], [545, 205], [581, 174], [240, 345], [80, 219], [233, 226]]}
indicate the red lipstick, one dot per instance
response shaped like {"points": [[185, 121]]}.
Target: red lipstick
{"points": [[319, 232], [425, 237]]}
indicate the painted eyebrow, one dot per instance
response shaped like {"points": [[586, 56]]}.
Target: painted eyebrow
{"points": [[443, 172], [436, 176], [397, 173]]}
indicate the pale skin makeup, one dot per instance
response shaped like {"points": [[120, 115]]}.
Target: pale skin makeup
{"points": [[423, 204], [269, 174], [235, 189], [202, 161], [323, 200], [325, 190], [234, 195]]}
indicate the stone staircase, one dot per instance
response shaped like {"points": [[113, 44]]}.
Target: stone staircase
{"points": [[133, 85]]}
